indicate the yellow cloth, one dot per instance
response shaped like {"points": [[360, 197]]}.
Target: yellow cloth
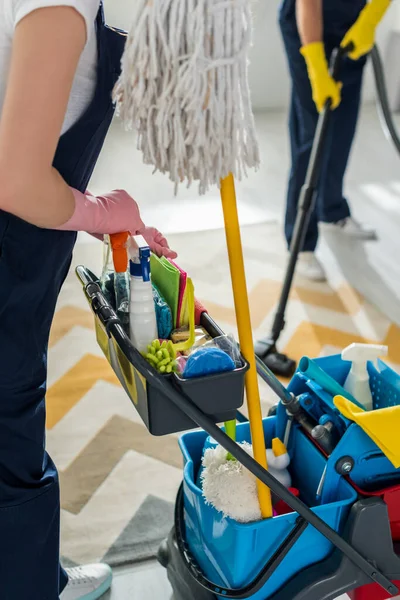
{"points": [[382, 426], [361, 35], [322, 83]]}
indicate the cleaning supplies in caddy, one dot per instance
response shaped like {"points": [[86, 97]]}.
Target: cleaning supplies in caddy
{"points": [[357, 382], [107, 274], [119, 246], [167, 279], [218, 355], [142, 314], [182, 335], [162, 356], [207, 361], [163, 314]]}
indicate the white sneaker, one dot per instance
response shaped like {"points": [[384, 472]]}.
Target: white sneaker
{"points": [[352, 228], [309, 266], [88, 582]]}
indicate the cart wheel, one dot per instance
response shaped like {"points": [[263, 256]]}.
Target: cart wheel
{"points": [[272, 410], [344, 465]]}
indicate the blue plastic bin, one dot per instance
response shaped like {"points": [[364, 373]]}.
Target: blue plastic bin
{"points": [[231, 553]]}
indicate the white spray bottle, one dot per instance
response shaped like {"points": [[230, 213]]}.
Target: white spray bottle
{"points": [[357, 382], [142, 312]]}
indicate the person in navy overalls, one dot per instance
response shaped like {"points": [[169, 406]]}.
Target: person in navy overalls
{"points": [[36, 246], [311, 30]]}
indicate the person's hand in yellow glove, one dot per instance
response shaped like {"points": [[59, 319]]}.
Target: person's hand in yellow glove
{"points": [[361, 36], [322, 83]]}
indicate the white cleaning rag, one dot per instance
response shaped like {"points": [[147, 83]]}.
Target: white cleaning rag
{"points": [[230, 487]]}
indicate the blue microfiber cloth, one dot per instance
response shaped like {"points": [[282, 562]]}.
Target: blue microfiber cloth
{"points": [[207, 361], [163, 315]]}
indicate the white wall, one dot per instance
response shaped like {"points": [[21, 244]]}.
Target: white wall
{"points": [[268, 72]]}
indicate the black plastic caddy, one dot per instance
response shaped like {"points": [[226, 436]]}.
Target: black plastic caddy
{"points": [[219, 396]]}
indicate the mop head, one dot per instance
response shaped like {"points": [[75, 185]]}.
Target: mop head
{"points": [[229, 487], [184, 88]]}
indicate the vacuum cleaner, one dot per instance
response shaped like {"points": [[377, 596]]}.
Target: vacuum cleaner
{"points": [[266, 349]]}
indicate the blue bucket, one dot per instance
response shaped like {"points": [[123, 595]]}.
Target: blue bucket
{"points": [[232, 554]]}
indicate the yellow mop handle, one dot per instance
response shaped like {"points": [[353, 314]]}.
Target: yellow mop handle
{"points": [[234, 243]]}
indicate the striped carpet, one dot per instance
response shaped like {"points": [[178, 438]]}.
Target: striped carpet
{"points": [[118, 483]]}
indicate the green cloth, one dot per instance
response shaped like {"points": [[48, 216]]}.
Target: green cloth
{"points": [[166, 278]]}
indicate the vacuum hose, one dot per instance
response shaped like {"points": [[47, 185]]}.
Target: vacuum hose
{"points": [[383, 107]]}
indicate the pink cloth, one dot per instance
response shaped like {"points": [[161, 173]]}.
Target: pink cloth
{"points": [[182, 288]]}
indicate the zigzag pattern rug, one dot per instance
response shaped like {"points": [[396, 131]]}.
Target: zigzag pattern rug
{"points": [[118, 483]]}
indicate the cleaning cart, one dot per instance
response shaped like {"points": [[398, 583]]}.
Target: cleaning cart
{"points": [[177, 71], [334, 539]]}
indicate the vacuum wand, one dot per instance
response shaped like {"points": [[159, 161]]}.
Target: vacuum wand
{"points": [[266, 348]]}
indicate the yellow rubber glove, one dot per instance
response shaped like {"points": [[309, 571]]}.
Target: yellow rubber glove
{"points": [[322, 83], [362, 34]]}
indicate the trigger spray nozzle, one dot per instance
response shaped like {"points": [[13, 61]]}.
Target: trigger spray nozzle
{"points": [[140, 257]]}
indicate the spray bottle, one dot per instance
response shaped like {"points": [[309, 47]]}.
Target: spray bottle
{"points": [[119, 245], [142, 313], [357, 382]]}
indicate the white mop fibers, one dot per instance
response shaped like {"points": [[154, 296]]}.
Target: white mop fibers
{"points": [[229, 487], [184, 88]]}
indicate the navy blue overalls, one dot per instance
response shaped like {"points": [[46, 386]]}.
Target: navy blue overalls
{"points": [[33, 265], [331, 206]]}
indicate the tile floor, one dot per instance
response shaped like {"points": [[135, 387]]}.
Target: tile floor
{"points": [[373, 186], [147, 581], [144, 582]]}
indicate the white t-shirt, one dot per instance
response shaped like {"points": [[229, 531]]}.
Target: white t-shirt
{"points": [[12, 11]]}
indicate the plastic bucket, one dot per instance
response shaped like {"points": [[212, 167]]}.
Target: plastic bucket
{"points": [[232, 554]]}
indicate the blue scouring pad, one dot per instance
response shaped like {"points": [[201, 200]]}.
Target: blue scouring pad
{"points": [[207, 361]]}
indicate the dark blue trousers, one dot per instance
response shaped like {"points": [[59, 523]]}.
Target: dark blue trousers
{"points": [[331, 203]]}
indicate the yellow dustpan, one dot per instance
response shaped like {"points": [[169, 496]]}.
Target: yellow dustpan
{"points": [[382, 426], [234, 244]]}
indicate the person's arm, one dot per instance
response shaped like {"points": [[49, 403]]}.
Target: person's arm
{"points": [[309, 21], [310, 27], [46, 50], [47, 46]]}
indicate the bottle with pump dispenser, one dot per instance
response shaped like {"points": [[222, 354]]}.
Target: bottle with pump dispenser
{"points": [[142, 314], [357, 382]]}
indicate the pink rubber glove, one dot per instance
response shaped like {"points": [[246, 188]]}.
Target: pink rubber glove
{"points": [[157, 242], [111, 213]]}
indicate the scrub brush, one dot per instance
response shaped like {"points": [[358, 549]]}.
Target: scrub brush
{"points": [[162, 355]]}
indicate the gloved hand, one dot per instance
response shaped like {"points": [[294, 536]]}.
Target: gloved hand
{"points": [[362, 34], [112, 213], [157, 242], [322, 83]]}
